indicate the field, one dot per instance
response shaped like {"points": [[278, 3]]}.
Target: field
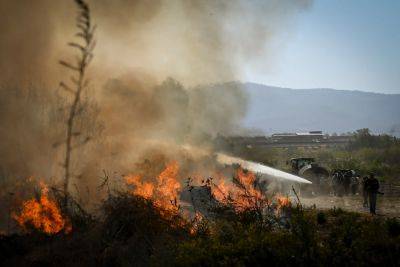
{"points": [[386, 206]]}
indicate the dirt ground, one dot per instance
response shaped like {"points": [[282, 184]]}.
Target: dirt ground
{"points": [[386, 206]]}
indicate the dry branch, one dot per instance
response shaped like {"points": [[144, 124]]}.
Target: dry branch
{"points": [[85, 32]]}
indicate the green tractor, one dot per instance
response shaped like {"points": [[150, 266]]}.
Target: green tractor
{"points": [[319, 176]]}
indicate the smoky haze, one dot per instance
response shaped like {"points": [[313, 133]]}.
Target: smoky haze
{"points": [[195, 42], [139, 45]]}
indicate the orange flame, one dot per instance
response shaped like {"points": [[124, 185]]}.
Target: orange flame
{"points": [[43, 214], [164, 192], [221, 191], [198, 217], [282, 201], [143, 189], [242, 195]]}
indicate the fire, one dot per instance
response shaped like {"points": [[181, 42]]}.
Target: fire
{"points": [[196, 222], [242, 195], [249, 197], [164, 192], [43, 214], [143, 189], [282, 201], [221, 191]]}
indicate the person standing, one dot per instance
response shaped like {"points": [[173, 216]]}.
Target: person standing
{"points": [[373, 188]]}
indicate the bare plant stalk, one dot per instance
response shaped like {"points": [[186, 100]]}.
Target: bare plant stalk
{"points": [[79, 82], [297, 197]]}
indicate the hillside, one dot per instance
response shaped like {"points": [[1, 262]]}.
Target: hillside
{"points": [[274, 109]]}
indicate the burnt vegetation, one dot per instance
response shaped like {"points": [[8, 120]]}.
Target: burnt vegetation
{"points": [[132, 231], [242, 227]]}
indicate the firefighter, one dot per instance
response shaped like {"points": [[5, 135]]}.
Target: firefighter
{"points": [[336, 183], [365, 191], [373, 190]]}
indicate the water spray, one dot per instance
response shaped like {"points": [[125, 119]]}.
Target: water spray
{"points": [[260, 168]]}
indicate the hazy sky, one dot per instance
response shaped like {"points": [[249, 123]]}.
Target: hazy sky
{"points": [[341, 44]]}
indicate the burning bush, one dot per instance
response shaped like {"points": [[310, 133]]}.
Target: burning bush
{"points": [[242, 193], [282, 201], [42, 214], [164, 191]]}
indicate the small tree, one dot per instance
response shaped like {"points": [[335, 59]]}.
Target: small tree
{"points": [[79, 83]]}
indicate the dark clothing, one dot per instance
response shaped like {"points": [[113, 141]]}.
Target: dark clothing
{"points": [[372, 202], [372, 186], [346, 183]]}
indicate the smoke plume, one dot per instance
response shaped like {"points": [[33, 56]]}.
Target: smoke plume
{"points": [[196, 42], [201, 44]]}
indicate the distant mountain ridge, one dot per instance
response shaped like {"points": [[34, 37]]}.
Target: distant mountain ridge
{"points": [[274, 109]]}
